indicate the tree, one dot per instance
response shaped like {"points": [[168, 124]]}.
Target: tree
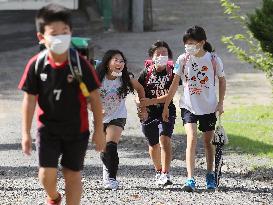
{"points": [[261, 25], [255, 50]]}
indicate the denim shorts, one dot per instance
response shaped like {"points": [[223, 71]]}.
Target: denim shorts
{"points": [[153, 128], [72, 150], [206, 122]]}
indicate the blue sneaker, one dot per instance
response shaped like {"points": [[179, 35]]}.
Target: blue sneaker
{"points": [[210, 180], [190, 185]]}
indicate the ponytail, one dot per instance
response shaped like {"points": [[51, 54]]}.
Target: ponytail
{"points": [[207, 47]]}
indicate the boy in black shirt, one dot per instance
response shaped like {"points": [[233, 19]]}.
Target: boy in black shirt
{"points": [[49, 80]]}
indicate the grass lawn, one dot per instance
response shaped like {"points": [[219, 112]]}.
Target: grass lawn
{"points": [[249, 129]]}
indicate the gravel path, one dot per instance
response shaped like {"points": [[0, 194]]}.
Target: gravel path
{"points": [[240, 183]]}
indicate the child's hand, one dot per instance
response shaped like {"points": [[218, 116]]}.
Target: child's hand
{"points": [[220, 108], [98, 139], [165, 114], [146, 102], [26, 144], [142, 114]]}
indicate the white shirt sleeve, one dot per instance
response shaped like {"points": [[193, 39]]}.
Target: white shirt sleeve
{"points": [[178, 67]]}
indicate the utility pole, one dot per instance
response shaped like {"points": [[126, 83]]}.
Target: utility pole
{"points": [[138, 15]]}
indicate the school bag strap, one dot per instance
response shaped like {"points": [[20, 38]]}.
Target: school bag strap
{"points": [[148, 64], [75, 68], [41, 61], [214, 64]]}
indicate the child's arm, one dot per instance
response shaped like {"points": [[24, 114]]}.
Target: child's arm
{"points": [[222, 92], [153, 101], [139, 88], [170, 95], [98, 135], [28, 109], [141, 94]]}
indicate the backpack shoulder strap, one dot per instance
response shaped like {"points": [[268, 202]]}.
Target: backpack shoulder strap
{"points": [[185, 60], [170, 67], [149, 66], [41, 61], [75, 68], [214, 64], [74, 64]]}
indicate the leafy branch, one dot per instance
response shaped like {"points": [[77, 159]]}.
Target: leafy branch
{"points": [[253, 54]]}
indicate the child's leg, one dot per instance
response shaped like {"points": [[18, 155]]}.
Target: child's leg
{"points": [[209, 149], [72, 162], [48, 179], [73, 186], [191, 131], [166, 131], [151, 132], [49, 150], [154, 152], [207, 126], [166, 152], [110, 156]]}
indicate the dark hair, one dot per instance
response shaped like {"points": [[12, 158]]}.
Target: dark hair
{"points": [[197, 33], [102, 70], [157, 45], [52, 13]]}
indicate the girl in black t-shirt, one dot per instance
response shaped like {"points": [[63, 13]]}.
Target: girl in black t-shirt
{"points": [[156, 79]]}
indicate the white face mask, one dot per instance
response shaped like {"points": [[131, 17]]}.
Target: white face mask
{"points": [[191, 49], [59, 44], [161, 61], [116, 74]]}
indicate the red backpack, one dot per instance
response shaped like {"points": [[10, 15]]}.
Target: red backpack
{"points": [[150, 66]]}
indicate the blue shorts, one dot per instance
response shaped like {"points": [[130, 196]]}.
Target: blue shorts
{"points": [[206, 122], [153, 128]]}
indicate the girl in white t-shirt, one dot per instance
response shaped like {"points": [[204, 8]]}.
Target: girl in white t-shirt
{"points": [[198, 67], [117, 82]]}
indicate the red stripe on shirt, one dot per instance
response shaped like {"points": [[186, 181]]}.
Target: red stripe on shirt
{"points": [[92, 70], [54, 65], [24, 76], [83, 113], [39, 113]]}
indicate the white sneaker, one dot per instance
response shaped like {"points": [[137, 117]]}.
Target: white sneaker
{"points": [[111, 184], [157, 175], [164, 179]]}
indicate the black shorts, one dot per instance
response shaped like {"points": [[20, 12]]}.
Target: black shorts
{"points": [[153, 128], [72, 149], [206, 122], [120, 122]]}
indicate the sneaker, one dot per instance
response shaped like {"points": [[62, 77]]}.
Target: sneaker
{"points": [[210, 180], [157, 175], [111, 184], [190, 185], [54, 202], [164, 179]]}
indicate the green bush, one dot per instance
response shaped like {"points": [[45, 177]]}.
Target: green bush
{"points": [[254, 36], [261, 25]]}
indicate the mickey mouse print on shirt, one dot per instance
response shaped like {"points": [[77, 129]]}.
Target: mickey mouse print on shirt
{"points": [[197, 77]]}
